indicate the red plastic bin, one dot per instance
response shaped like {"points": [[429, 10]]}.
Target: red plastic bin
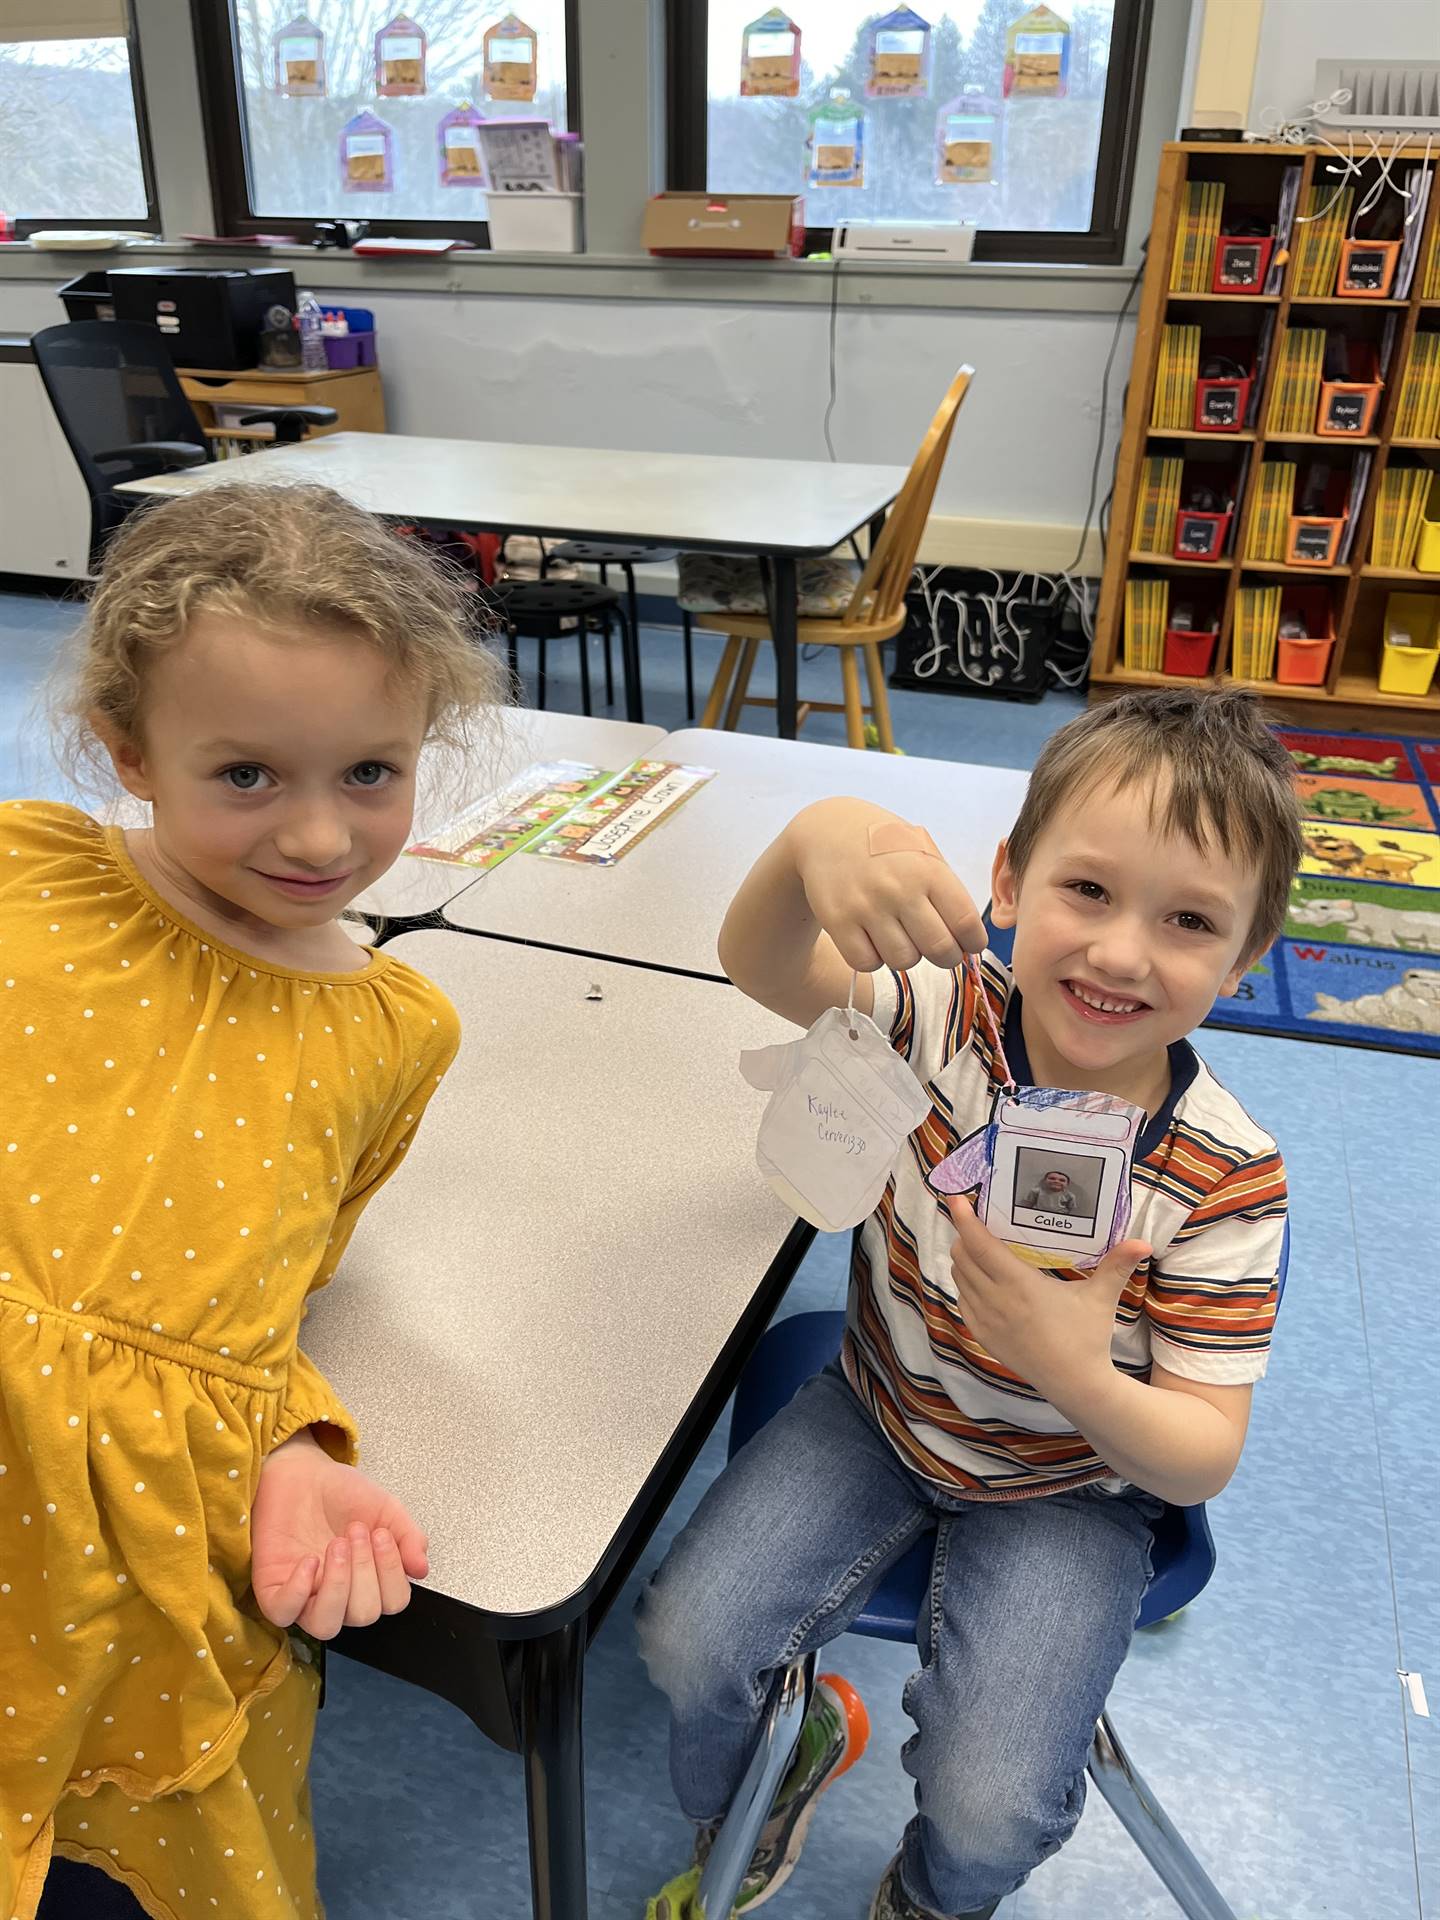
{"points": [[1199, 535], [1221, 404], [1241, 263], [1304, 663], [1189, 655]]}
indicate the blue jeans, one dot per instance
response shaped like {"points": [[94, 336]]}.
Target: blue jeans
{"points": [[1031, 1608]]}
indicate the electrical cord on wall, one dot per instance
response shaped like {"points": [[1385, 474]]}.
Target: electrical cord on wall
{"points": [[834, 307], [1130, 293]]}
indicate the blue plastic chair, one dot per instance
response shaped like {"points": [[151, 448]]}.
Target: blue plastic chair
{"points": [[1183, 1559]]}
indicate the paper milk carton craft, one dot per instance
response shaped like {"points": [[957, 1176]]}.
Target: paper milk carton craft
{"points": [[842, 1102], [1053, 1173]]}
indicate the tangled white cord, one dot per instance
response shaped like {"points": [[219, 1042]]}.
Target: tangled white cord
{"points": [[1004, 628], [1296, 132]]}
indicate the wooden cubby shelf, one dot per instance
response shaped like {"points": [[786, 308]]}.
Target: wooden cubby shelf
{"points": [[1229, 464]]}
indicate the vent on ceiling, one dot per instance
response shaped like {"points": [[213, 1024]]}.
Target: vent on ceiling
{"points": [[1386, 96]]}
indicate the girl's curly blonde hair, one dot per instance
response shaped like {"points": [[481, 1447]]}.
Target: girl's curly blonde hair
{"points": [[290, 559]]}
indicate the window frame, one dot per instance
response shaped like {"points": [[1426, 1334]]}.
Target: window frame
{"points": [[217, 55], [1103, 244], [24, 227]]}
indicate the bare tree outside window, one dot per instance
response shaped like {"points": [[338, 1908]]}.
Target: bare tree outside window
{"points": [[1042, 172], [294, 142], [69, 141]]}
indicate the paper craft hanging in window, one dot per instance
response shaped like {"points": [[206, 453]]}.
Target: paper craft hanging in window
{"points": [[770, 56], [460, 162], [899, 62], [367, 155], [400, 58], [299, 51], [1037, 55], [967, 141], [511, 58], [837, 143]]}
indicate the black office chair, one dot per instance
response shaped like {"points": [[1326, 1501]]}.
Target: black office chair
{"points": [[121, 407]]}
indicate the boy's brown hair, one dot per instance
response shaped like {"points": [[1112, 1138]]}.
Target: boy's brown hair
{"points": [[1221, 779], [290, 559]]}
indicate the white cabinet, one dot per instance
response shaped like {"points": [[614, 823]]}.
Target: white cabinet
{"points": [[44, 507]]}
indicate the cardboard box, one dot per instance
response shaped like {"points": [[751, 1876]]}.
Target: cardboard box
{"points": [[738, 226]]}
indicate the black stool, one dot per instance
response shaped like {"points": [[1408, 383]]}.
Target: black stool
{"points": [[627, 555], [538, 610]]}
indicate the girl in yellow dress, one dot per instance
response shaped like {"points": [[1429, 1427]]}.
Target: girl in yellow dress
{"points": [[205, 1080]]}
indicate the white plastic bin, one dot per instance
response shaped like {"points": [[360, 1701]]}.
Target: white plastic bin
{"points": [[534, 222]]}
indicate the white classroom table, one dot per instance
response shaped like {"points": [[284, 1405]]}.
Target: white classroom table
{"points": [[778, 510], [663, 902], [522, 737], [531, 1367]]}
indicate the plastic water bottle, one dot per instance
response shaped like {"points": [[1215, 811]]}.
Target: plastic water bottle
{"points": [[312, 335]]}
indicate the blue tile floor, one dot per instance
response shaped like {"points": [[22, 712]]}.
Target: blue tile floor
{"points": [[1268, 1717]]}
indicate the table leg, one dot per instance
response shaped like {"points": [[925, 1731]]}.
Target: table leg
{"points": [[781, 592], [551, 1686], [630, 666], [877, 527]]}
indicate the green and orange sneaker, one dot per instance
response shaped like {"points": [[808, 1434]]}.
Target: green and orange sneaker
{"points": [[832, 1739]]}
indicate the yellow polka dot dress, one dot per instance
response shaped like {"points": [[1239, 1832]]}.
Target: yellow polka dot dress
{"points": [[187, 1138]]}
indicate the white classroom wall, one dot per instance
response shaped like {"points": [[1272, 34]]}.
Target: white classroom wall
{"points": [[746, 379], [750, 378], [1294, 34]]}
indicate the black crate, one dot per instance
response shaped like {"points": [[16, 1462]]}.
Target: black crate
{"points": [[88, 297], [210, 318], [1008, 664]]}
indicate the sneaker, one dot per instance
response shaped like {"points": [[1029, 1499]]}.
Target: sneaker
{"points": [[832, 1739], [675, 1899], [891, 1901]]}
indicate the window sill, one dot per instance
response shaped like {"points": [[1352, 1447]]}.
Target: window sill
{"points": [[999, 285]]}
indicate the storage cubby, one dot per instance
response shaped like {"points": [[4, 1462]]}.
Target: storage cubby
{"points": [[1295, 392]]}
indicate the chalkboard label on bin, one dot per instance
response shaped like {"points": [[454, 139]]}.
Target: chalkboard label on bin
{"points": [[1365, 271], [1240, 266], [1221, 407], [1312, 543], [1346, 412], [1198, 535]]}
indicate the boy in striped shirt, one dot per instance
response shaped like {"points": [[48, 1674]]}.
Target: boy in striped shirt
{"points": [[1038, 1419]]}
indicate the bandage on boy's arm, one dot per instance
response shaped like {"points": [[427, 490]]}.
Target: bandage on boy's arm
{"points": [[847, 887]]}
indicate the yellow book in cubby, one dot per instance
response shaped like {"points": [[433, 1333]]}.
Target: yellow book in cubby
{"points": [[1146, 606], [1321, 227], [1257, 626]]}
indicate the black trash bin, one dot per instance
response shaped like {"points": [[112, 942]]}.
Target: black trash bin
{"points": [[88, 297]]}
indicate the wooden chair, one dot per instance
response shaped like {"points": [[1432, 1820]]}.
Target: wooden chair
{"points": [[876, 611]]}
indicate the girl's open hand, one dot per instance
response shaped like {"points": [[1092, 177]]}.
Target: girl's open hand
{"points": [[880, 891], [329, 1548]]}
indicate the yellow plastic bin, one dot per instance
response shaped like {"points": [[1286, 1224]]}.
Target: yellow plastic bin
{"points": [[1427, 551], [1412, 643]]}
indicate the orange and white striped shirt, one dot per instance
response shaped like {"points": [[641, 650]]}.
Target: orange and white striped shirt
{"points": [[1208, 1194]]}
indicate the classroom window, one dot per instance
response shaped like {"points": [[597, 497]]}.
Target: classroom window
{"points": [[1020, 120], [71, 124], [341, 109]]}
